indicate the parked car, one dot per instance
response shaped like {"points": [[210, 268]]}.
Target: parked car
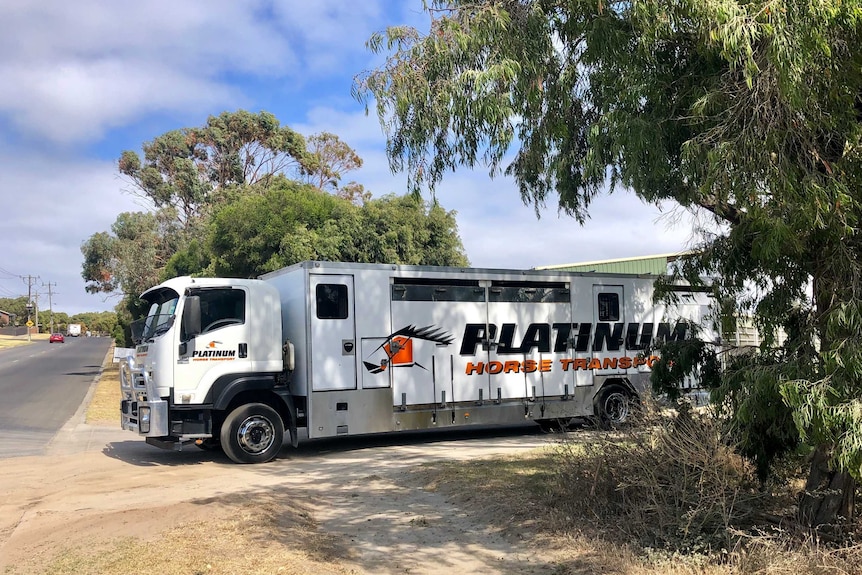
{"points": [[57, 337]]}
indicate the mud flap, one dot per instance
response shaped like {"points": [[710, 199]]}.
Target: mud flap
{"points": [[287, 398]]}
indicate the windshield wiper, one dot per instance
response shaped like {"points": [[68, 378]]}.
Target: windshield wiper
{"points": [[160, 329]]}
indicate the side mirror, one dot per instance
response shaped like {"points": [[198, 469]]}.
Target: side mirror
{"points": [[192, 316]]}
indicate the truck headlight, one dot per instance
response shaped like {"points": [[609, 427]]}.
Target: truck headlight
{"points": [[144, 419]]}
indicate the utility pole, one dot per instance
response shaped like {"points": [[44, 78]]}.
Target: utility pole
{"points": [[30, 280], [51, 303], [36, 303]]}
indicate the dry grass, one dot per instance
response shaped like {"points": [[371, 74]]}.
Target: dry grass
{"points": [[592, 504], [523, 497], [7, 341], [665, 483], [104, 407], [254, 535], [670, 499]]}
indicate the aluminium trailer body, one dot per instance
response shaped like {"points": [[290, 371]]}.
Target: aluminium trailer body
{"points": [[382, 348]]}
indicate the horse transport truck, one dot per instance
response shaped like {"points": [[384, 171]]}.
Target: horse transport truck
{"points": [[346, 348]]}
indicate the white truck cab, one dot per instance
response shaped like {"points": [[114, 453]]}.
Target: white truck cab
{"points": [[204, 344]]}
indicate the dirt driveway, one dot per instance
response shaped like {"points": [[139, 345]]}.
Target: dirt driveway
{"points": [[366, 512]]}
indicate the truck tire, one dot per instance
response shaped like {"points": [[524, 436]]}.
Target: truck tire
{"points": [[613, 405], [252, 433]]}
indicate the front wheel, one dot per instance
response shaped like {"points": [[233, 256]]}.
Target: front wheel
{"points": [[614, 405], [252, 433]]}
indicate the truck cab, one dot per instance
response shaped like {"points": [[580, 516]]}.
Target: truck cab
{"points": [[206, 348]]}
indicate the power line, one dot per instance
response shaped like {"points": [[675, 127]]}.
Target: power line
{"points": [[7, 275], [6, 272]]}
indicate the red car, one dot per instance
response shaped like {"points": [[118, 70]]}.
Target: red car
{"points": [[57, 337]]}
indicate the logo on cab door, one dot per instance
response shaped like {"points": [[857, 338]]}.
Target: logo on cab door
{"points": [[213, 353]]}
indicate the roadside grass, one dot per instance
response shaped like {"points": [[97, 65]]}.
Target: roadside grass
{"points": [[644, 501], [7, 341], [264, 533], [523, 497], [104, 407]]}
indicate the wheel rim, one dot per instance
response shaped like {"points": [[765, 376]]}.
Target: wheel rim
{"points": [[255, 434], [617, 407]]}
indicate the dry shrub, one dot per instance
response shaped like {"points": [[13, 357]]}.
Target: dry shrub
{"points": [[784, 554], [663, 481]]}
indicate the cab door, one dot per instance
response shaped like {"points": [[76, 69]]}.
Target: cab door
{"points": [[222, 346], [333, 333]]}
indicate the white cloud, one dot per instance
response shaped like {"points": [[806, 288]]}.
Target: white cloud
{"points": [[72, 70], [53, 214], [351, 126], [499, 231], [92, 75], [329, 30], [79, 101]]}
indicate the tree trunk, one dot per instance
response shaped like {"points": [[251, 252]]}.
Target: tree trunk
{"points": [[829, 496]]}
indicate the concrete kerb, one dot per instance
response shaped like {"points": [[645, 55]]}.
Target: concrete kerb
{"points": [[77, 435]]}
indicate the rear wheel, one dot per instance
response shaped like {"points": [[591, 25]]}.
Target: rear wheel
{"points": [[614, 405], [252, 433]]}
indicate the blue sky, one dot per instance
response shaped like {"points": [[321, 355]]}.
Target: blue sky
{"points": [[84, 80]]}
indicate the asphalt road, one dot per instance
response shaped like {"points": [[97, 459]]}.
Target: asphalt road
{"points": [[41, 386]]}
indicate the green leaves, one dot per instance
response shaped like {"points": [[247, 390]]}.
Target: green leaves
{"points": [[828, 408], [747, 113], [230, 201], [291, 222], [444, 99], [132, 255]]}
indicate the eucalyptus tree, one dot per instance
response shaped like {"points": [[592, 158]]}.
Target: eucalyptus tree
{"points": [[747, 112], [184, 168], [129, 257], [15, 306], [184, 174], [334, 159]]}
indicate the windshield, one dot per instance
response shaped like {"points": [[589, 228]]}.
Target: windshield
{"points": [[159, 319]]}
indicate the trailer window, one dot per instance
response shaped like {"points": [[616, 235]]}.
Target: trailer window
{"points": [[525, 291], [438, 292], [331, 301], [528, 295], [609, 306]]}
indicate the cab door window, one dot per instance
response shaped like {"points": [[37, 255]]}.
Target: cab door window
{"points": [[221, 307]]}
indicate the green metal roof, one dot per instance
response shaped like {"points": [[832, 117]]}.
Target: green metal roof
{"points": [[654, 265]]}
